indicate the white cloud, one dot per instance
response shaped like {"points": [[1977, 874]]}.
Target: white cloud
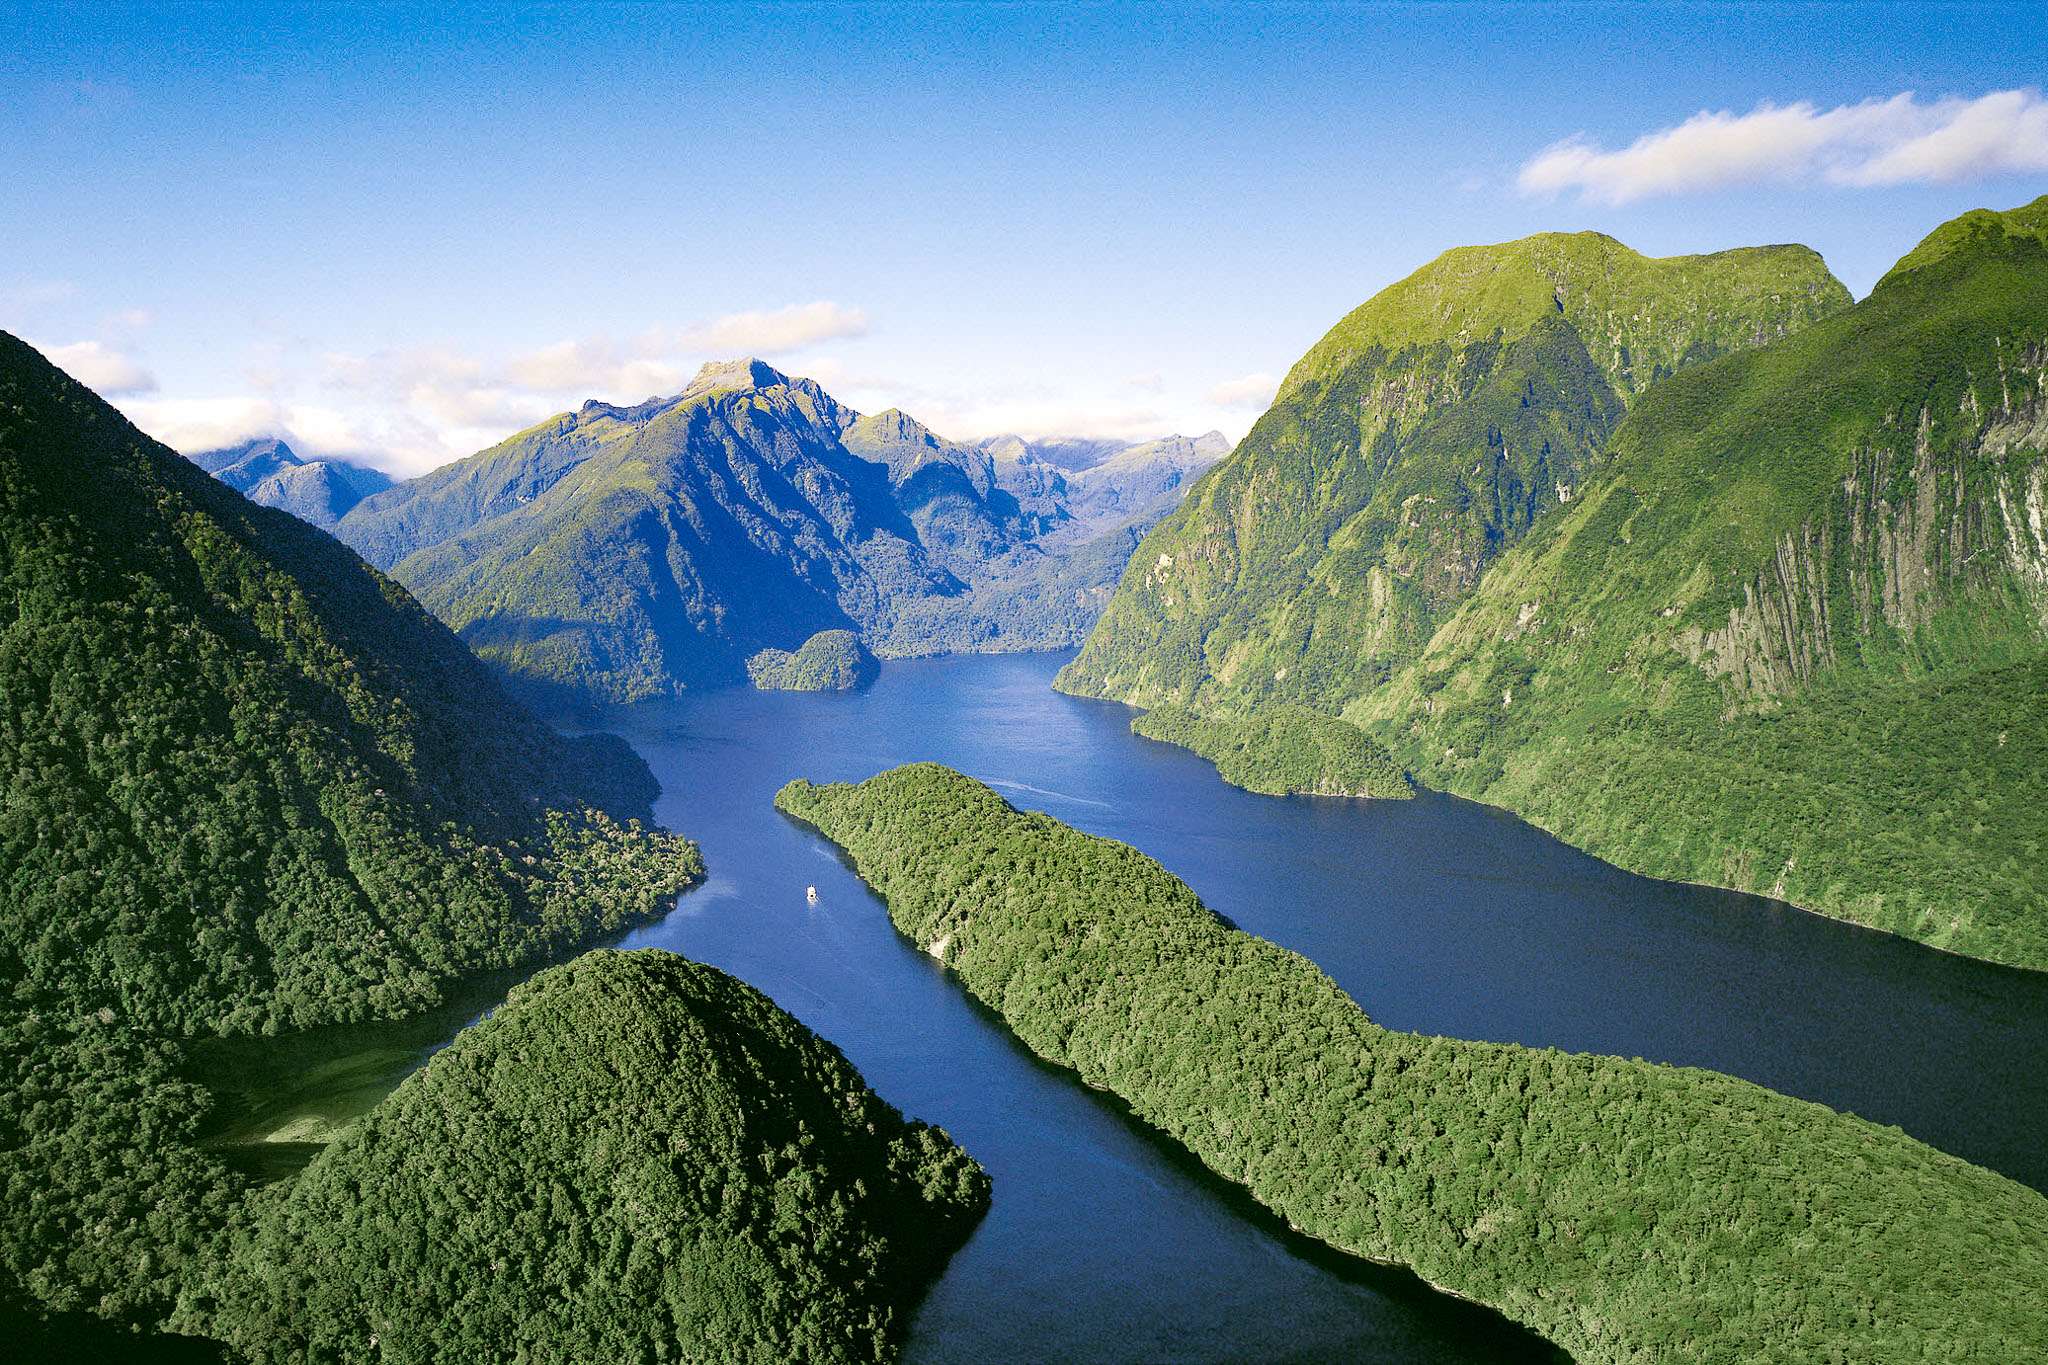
{"points": [[1252, 391], [401, 443], [1892, 141], [102, 369], [758, 334], [190, 424], [595, 367], [423, 406]]}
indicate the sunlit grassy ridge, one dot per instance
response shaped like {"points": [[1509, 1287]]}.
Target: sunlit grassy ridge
{"points": [[1626, 1211]]}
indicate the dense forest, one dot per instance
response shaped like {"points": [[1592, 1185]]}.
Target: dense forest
{"points": [[1626, 1211], [830, 661], [251, 784], [634, 1158], [1281, 747]]}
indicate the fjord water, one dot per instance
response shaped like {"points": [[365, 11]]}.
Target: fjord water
{"points": [[1437, 915]]}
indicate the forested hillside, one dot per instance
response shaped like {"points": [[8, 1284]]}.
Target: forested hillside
{"points": [[634, 1158], [251, 784], [1628, 1212]]}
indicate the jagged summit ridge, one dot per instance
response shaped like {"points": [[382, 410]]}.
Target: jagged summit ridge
{"points": [[267, 470], [743, 373], [623, 552]]}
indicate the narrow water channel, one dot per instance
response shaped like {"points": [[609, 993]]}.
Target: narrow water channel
{"points": [[1437, 915]]}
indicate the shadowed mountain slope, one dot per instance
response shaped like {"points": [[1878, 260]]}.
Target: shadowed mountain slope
{"points": [[251, 784]]}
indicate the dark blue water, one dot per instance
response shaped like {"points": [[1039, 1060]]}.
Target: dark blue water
{"points": [[1438, 916]]}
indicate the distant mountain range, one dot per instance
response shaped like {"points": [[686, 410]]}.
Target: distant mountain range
{"points": [[268, 471], [616, 553], [1693, 562]]}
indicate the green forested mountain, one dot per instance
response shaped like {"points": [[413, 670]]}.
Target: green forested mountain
{"points": [[1426, 433], [635, 1158], [1626, 1211], [1787, 634], [270, 472], [1795, 640], [618, 553], [250, 784]]}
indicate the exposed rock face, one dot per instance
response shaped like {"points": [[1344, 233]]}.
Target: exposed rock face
{"points": [[1909, 533]]}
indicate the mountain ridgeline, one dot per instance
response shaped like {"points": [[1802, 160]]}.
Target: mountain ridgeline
{"points": [[1626, 1211], [614, 554], [1782, 628]]}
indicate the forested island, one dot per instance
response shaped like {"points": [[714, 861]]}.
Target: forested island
{"points": [[1626, 1211]]}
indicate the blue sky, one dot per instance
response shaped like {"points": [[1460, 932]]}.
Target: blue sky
{"points": [[404, 233]]}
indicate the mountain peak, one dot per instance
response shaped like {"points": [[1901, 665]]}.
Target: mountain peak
{"points": [[1977, 230], [268, 451], [744, 373], [898, 425]]}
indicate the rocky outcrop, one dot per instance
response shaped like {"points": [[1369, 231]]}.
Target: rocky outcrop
{"points": [[1915, 531]]}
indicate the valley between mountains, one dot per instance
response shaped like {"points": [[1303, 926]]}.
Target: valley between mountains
{"points": [[1699, 563]]}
